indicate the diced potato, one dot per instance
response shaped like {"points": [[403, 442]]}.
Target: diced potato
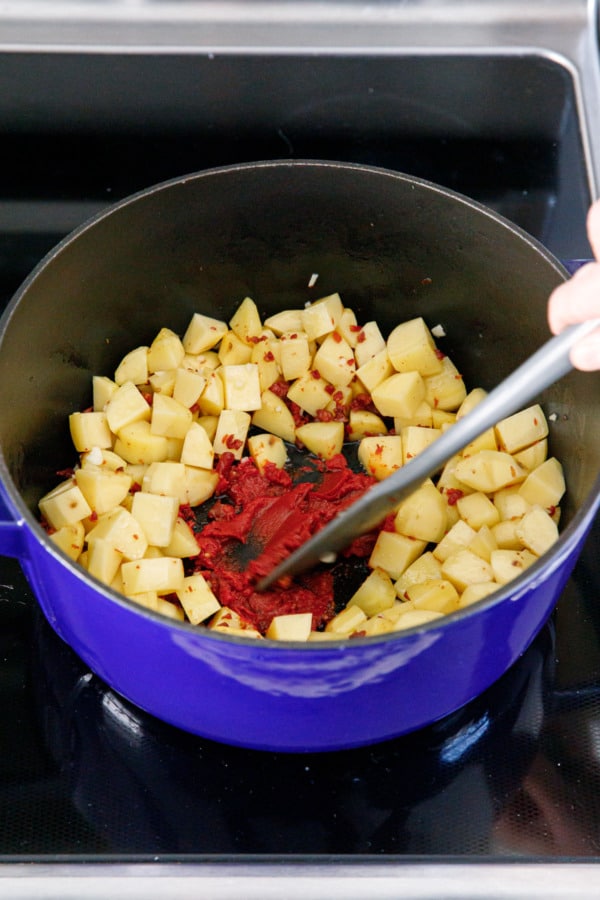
{"points": [[522, 429], [188, 386], [149, 599], [322, 316], [169, 418], [209, 423], [448, 481], [446, 390], [411, 348], [103, 560], [200, 484], [164, 575], [64, 505], [233, 351], [183, 541], [166, 478], [212, 398], [395, 552], [349, 620], [265, 357], [440, 596], [133, 367], [292, 627], [505, 534], [334, 360], [102, 488], [508, 564], [472, 400], [545, 485], [241, 386], [168, 609], [381, 455], [105, 458], [369, 343], [274, 416], [165, 352], [422, 515], [536, 531], [245, 322], [458, 538], [400, 394], [197, 447], [416, 438], [102, 390], [90, 429], [267, 448], [375, 370], [325, 439], [127, 405], [414, 618], [164, 382], [510, 504], [295, 355], [123, 531], [363, 423], [489, 471], [377, 624], [70, 539], [197, 599], [229, 622], [441, 418], [464, 568], [485, 441], [474, 592], [375, 594], [203, 333], [484, 543], [422, 417], [137, 445], [310, 392], [231, 433], [425, 568], [348, 326], [288, 320], [477, 510], [532, 457]]}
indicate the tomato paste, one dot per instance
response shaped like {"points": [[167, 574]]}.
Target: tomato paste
{"points": [[258, 519]]}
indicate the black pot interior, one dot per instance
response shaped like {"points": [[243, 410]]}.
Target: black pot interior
{"points": [[393, 247]]}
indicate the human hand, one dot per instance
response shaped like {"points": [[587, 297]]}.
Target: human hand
{"points": [[578, 300]]}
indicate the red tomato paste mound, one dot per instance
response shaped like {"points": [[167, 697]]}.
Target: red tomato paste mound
{"points": [[259, 519]]}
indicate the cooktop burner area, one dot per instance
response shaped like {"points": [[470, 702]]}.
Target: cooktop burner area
{"points": [[84, 775]]}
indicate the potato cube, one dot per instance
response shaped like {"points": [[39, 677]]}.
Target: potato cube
{"points": [[475, 592], [212, 398], [536, 531], [209, 423], [363, 423], [400, 394], [440, 596], [334, 360], [245, 322], [322, 316], [123, 531], [485, 441], [448, 481], [425, 568], [415, 618], [165, 352], [477, 510], [231, 433], [472, 400], [70, 539], [126, 405], [137, 445], [163, 382], [265, 356], [440, 418], [395, 552], [102, 488], [188, 386], [226, 621], [102, 390], [508, 564], [233, 351], [163, 574], [545, 485], [416, 438], [348, 326], [505, 534], [90, 429], [310, 392], [484, 543], [376, 625], [411, 348], [349, 620], [446, 390], [183, 541], [369, 343], [200, 484], [489, 471], [169, 418], [295, 355], [274, 416], [203, 333], [464, 567], [422, 515], [510, 504], [166, 478], [267, 448], [133, 367], [532, 457], [458, 538], [522, 429], [325, 439], [103, 560], [375, 370], [292, 627], [422, 416], [197, 599], [380, 455], [375, 594], [288, 320], [241, 386], [64, 505], [197, 447]]}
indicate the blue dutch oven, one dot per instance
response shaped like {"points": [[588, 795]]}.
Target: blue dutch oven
{"points": [[394, 247]]}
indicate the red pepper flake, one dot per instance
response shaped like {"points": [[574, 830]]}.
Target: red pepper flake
{"points": [[350, 361], [426, 280], [551, 510], [293, 336], [330, 389], [361, 338], [355, 328], [135, 487], [279, 388], [231, 442], [93, 516], [535, 421], [336, 336], [315, 374], [453, 495], [269, 356], [324, 415], [147, 397], [379, 449], [458, 377], [439, 353]]}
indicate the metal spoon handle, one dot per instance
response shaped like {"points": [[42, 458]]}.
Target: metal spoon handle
{"points": [[547, 365]]}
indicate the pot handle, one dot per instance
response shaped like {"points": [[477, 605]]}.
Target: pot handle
{"points": [[12, 532]]}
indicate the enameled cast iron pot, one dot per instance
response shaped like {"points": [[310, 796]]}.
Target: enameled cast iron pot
{"points": [[394, 247]]}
